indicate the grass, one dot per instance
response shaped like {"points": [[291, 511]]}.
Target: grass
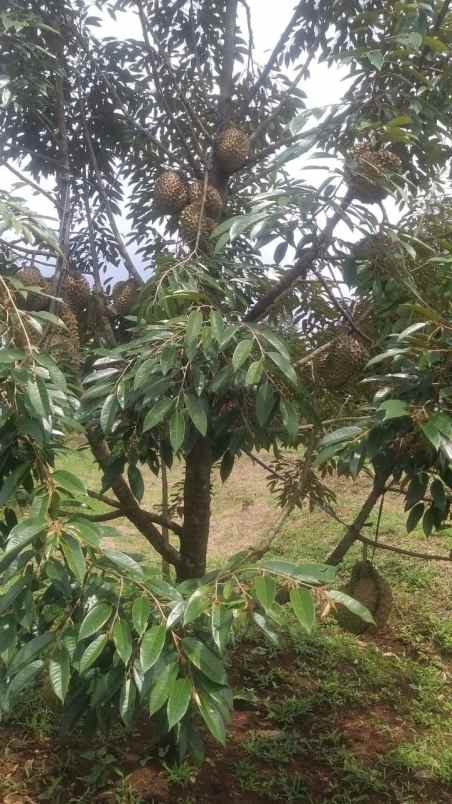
{"points": [[327, 718]]}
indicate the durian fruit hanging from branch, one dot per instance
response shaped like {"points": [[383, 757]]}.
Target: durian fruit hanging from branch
{"points": [[76, 292], [369, 588], [338, 364], [368, 172], [125, 295], [32, 277], [212, 198], [232, 148], [171, 193], [383, 257], [194, 223]]}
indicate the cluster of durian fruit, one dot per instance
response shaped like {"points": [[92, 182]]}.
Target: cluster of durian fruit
{"points": [[369, 172], [199, 204]]}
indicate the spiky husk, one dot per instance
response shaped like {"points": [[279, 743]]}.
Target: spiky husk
{"points": [[213, 204], [343, 359], [369, 588], [76, 292], [191, 222], [64, 345], [381, 253], [34, 302], [171, 193], [232, 148], [125, 294], [367, 171]]}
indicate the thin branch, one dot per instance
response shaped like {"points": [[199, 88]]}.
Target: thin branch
{"points": [[26, 180], [402, 552], [102, 498], [261, 307], [274, 56], [340, 308], [353, 531]]}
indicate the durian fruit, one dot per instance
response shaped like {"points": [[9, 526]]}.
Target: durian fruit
{"points": [[383, 255], [190, 223], [232, 148], [366, 171], [336, 366], [34, 302], [64, 344], [171, 192], [369, 588], [76, 292], [125, 294], [213, 203]]}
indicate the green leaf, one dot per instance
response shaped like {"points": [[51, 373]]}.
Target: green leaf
{"points": [[394, 409], [70, 482], [163, 687], [290, 417], [157, 414], [21, 536], [311, 574], [227, 465], [12, 481], [123, 562], [211, 717], [85, 529], [204, 660], [428, 522], [60, 672], [141, 611], [194, 326], [108, 413], [303, 606], [92, 653], [284, 366], [438, 493], [175, 614], [9, 355], [127, 702], [95, 620], [275, 341], [151, 646], [122, 638], [35, 399], [265, 400], [31, 650], [415, 516], [217, 325], [254, 373], [265, 591], [8, 633], [177, 430], [196, 605], [179, 701], [136, 482], [262, 623], [25, 678], [343, 434], [222, 619], [196, 412], [376, 58], [73, 555], [241, 353], [352, 605], [433, 435]]}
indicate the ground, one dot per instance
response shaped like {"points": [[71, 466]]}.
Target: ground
{"points": [[329, 718]]}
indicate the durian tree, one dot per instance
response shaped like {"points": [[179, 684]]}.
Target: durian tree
{"points": [[218, 353]]}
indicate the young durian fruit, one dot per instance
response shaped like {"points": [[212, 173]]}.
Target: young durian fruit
{"points": [[369, 588], [367, 171], [171, 192], [125, 294], [232, 148]]}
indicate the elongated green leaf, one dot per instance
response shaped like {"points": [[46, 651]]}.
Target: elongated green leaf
{"points": [[352, 605], [163, 687], [196, 605], [194, 326], [275, 341], [176, 614], [151, 646], [196, 412], [122, 638], [136, 482], [415, 515], [265, 591], [177, 430], [179, 701], [217, 326], [87, 530], [92, 653], [241, 353], [312, 574], [254, 373], [284, 366], [30, 651], [157, 414], [11, 482], [73, 555], [109, 412], [211, 717], [127, 702], [343, 434], [95, 620], [25, 678], [204, 660], [123, 562], [265, 400], [141, 611], [303, 606], [263, 624], [60, 672], [69, 482], [35, 399]]}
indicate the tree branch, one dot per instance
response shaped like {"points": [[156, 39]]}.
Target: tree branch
{"points": [[26, 180], [143, 521], [273, 57], [402, 552], [261, 307], [227, 72], [353, 532]]}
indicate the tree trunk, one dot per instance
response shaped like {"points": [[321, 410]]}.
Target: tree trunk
{"points": [[198, 469]]}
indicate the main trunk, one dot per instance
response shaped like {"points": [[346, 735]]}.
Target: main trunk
{"points": [[198, 469]]}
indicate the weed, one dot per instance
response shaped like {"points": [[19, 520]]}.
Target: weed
{"points": [[276, 747], [289, 710], [182, 774]]}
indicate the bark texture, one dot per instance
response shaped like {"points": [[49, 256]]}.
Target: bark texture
{"points": [[198, 470]]}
